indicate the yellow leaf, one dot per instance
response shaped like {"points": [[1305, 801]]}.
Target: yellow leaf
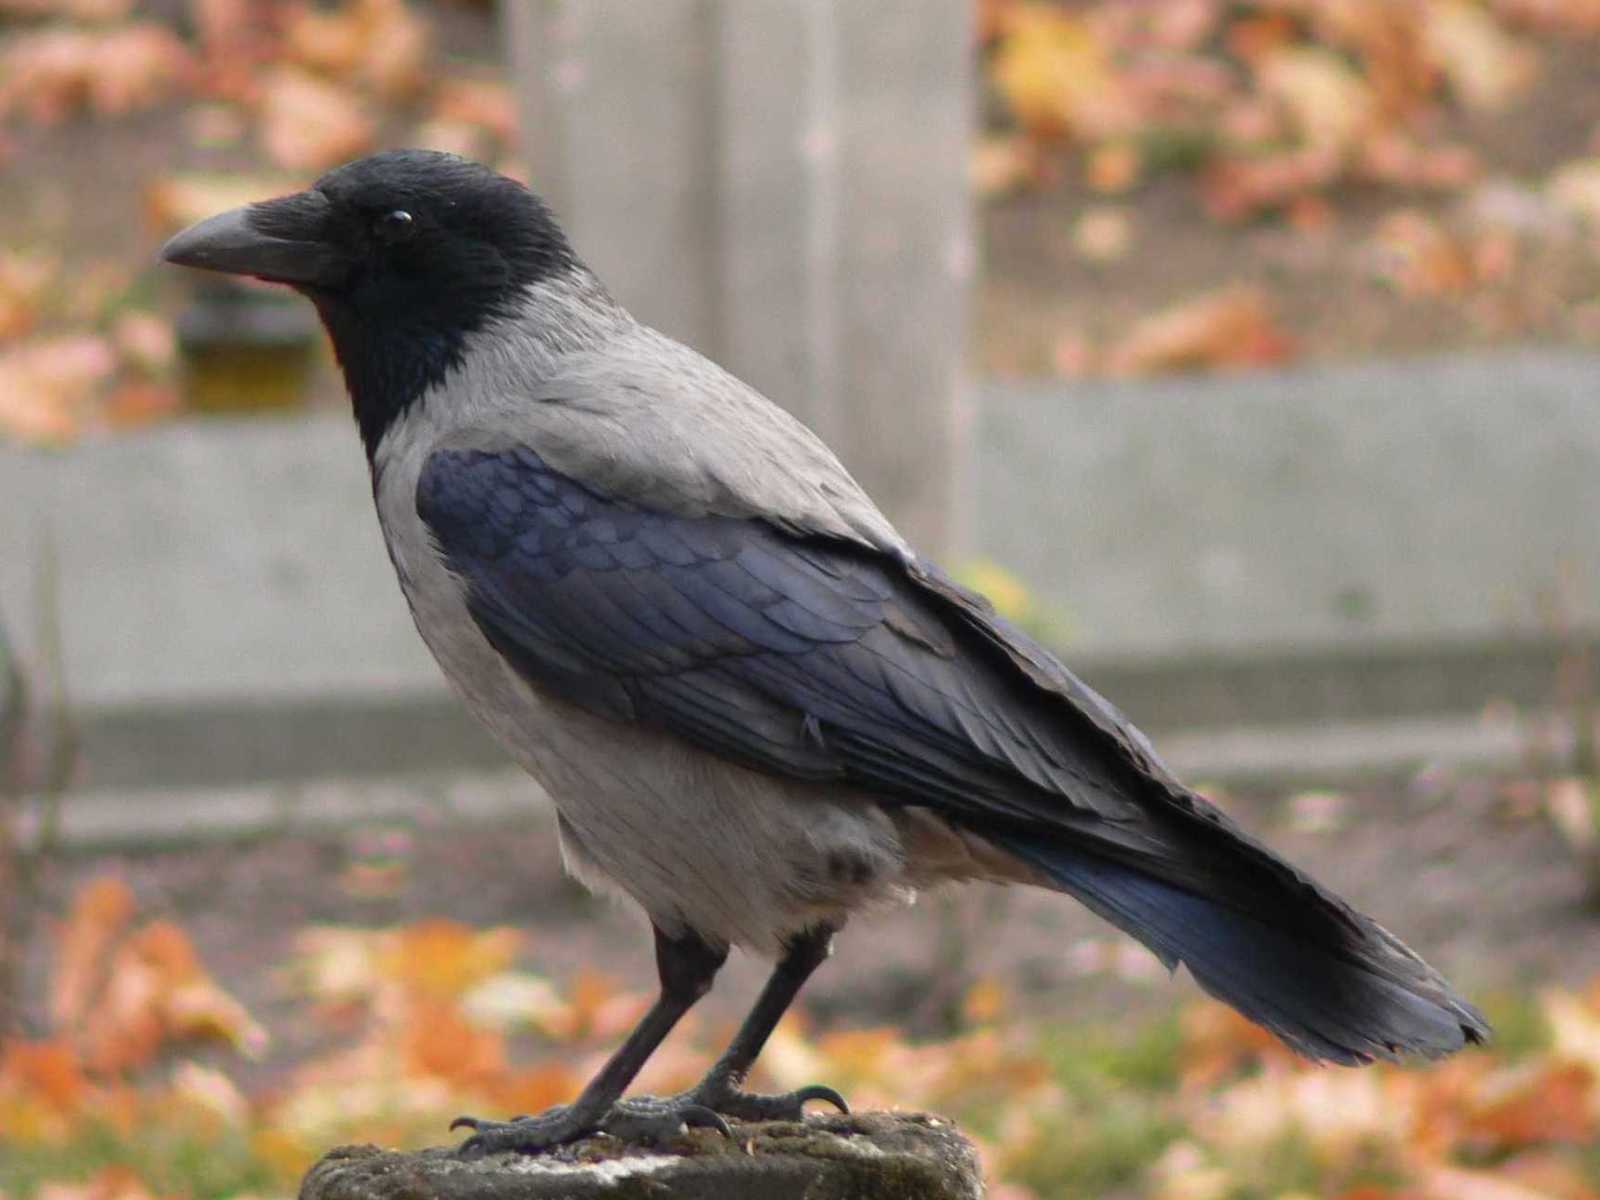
{"points": [[1575, 189], [1326, 99], [1050, 69], [1485, 66], [986, 1001], [1008, 594]]}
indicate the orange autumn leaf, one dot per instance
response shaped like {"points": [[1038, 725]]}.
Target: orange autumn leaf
{"points": [[1559, 1103], [53, 73], [438, 1041], [308, 124], [48, 385], [48, 1070], [488, 104], [98, 917], [986, 1001], [1217, 1042], [156, 991], [1231, 327], [444, 959]]}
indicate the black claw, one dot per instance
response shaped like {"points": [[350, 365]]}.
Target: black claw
{"points": [[705, 1118], [818, 1091]]}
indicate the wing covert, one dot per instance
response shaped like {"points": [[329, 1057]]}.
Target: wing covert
{"points": [[801, 656]]}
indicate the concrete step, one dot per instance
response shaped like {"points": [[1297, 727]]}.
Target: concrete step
{"points": [[1335, 754]]}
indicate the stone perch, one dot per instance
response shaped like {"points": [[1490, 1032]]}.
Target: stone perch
{"points": [[863, 1156]]}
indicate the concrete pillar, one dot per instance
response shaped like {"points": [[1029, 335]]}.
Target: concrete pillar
{"points": [[781, 184]]}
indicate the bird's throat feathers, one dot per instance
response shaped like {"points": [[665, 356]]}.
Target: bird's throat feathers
{"points": [[393, 361]]}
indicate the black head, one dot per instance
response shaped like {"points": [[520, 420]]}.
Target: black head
{"points": [[404, 254]]}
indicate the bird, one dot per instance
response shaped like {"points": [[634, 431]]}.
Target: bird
{"points": [[757, 710]]}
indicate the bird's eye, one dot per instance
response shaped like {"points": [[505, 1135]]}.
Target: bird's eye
{"points": [[396, 226]]}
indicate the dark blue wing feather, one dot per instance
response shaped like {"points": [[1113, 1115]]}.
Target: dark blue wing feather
{"points": [[706, 626], [825, 661]]}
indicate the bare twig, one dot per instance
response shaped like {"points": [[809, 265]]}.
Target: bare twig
{"points": [[38, 747]]}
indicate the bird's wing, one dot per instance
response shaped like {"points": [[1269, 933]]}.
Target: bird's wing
{"points": [[803, 656], [826, 659], [810, 657]]}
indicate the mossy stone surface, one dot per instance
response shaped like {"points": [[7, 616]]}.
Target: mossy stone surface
{"points": [[861, 1156]]}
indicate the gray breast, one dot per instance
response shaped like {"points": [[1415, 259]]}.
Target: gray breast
{"points": [[740, 857]]}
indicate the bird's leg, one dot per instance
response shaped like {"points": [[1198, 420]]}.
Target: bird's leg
{"points": [[687, 965], [720, 1089]]}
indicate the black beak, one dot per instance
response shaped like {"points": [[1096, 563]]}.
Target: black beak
{"points": [[279, 240]]}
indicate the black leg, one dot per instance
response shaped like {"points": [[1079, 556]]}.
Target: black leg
{"points": [[686, 965], [719, 1090]]}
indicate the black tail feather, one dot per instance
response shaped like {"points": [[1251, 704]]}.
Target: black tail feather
{"points": [[1364, 996]]}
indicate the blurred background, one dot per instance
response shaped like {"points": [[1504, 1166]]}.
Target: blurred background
{"points": [[1249, 353]]}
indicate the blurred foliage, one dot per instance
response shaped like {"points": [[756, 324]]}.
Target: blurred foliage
{"points": [[1285, 111], [285, 86], [1269, 104], [132, 1093], [1276, 109]]}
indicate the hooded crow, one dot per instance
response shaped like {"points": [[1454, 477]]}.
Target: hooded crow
{"points": [[756, 708]]}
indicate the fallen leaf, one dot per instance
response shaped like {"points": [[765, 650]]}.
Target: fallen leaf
{"points": [[986, 1001], [381, 43], [488, 104], [1052, 71], [50, 74], [172, 202], [1540, 1104], [47, 385], [110, 1183], [87, 11], [1328, 102], [209, 1090], [1459, 1183], [1001, 165], [25, 279], [1232, 327], [1419, 256], [145, 339], [308, 123], [439, 1041], [445, 959], [1102, 234], [49, 1070], [1485, 67], [1114, 167], [1575, 189]]}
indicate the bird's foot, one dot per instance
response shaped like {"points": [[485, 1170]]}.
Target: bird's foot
{"points": [[642, 1119], [720, 1095]]}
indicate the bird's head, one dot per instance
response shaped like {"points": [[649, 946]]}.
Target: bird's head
{"points": [[404, 254]]}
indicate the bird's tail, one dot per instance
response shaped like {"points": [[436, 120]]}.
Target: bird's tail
{"points": [[1345, 990]]}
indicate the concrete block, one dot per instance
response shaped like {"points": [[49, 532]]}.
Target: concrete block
{"points": [[1339, 507], [782, 185]]}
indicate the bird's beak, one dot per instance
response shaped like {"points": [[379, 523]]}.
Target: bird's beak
{"points": [[281, 240]]}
